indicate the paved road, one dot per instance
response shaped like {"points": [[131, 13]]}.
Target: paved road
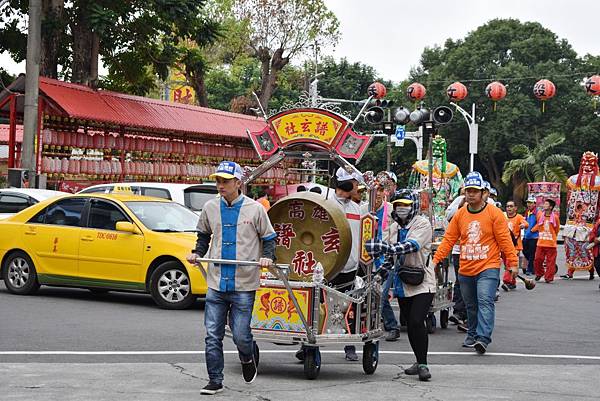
{"points": [[71, 344]]}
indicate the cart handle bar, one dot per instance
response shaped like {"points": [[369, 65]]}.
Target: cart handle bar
{"points": [[239, 262]]}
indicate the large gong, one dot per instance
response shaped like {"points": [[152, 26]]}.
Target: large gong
{"points": [[310, 230]]}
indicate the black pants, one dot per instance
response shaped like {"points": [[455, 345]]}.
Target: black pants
{"points": [[597, 265], [529, 247], [459, 305], [415, 310]]}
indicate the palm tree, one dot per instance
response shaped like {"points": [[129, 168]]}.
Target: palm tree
{"points": [[537, 164]]}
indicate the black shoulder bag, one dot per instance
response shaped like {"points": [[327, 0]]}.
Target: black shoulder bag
{"points": [[412, 275]]}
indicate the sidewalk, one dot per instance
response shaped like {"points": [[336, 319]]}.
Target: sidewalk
{"points": [[170, 381]]}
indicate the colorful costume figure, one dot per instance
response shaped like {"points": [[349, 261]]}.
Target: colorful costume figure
{"points": [[582, 212], [446, 179]]}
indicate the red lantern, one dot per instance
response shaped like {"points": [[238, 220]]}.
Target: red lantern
{"points": [[495, 91], [457, 92], [377, 90], [544, 89], [592, 85], [416, 92]]}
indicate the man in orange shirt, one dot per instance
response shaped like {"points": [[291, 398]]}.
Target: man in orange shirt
{"points": [[516, 222], [547, 226], [483, 233]]}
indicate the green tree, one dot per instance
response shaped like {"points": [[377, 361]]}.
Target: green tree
{"points": [[280, 30], [537, 164], [517, 54]]}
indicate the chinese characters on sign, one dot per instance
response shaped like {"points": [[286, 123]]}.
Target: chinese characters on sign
{"points": [[307, 125], [320, 214], [303, 263], [296, 210], [285, 232], [331, 241]]}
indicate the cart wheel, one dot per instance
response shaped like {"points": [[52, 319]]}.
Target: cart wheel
{"points": [[370, 357], [444, 313], [256, 354], [430, 322], [312, 362]]}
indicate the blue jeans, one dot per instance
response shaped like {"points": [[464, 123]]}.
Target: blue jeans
{"points": [[478, 293], [389, 319], [220, 308]]}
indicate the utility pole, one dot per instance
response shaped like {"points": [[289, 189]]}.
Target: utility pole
{"points": [[473, 132], [32, 68]]}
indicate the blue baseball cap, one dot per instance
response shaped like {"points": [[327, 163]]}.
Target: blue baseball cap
{"points": [[228, 170], [474, 180]]}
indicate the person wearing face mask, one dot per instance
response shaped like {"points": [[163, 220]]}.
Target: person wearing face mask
{"points": [[411, 249], [346, 186]]}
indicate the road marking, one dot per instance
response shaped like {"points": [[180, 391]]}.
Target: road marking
{"points": [[272, 351]]}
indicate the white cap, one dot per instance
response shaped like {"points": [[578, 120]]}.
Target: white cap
{"points": [[342, 175]]}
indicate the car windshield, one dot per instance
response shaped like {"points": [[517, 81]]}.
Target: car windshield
{"points": [[164, 216]]}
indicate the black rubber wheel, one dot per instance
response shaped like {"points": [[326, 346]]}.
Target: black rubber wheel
{"points": [[98, 291], [256, 354], [20, 276], [370, 357], [312, 362], [431, 323], [444, 314], [170, 286]]}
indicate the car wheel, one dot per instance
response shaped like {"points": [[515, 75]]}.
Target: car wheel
{"points": [[20, 275], [170, 286]]}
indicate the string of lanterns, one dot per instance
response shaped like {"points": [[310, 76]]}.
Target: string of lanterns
{"points": [[543, 90]]}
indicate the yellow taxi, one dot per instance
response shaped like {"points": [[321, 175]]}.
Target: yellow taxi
{"points": [[103, 242]]}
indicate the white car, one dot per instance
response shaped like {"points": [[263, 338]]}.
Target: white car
{"points": [[193, 196], [13, 200]]}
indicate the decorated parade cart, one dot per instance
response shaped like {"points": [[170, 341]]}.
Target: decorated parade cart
{"points": [[295, 303]]}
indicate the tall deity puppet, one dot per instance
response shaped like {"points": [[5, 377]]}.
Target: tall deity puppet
{"points": [[446, 181], [582, 212]]}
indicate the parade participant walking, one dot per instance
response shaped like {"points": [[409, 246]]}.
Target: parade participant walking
{"points": [[459, 311], [516, 223], [383, 212], [234, 227], [530, 238], [483, 233], [412, 249], [346, 186], [545, 254], [595, 245]]}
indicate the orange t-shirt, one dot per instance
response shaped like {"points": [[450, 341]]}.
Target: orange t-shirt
{"points": [[482, 236], [548, 227], [514, 225]]}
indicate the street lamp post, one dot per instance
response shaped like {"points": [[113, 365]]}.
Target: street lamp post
{"points": [[473, 132]]}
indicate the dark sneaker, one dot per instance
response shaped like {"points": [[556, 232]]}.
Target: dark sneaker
{"points": [[591, 275], [537, 278], [300, 354], [480, 347], [393, 335], [424, 374], [351, 353], [468, 343], [497, 297], [455, 319], [212, 388], [462, 327], [549, 281], [512, 286], [249, 371], [565, 277], [504, 287], [413, 370]]}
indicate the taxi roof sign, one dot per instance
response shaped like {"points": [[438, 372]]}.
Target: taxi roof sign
{"points": [[122, 189]]}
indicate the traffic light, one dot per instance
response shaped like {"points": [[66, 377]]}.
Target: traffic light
{"points": [[375, 113]]}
